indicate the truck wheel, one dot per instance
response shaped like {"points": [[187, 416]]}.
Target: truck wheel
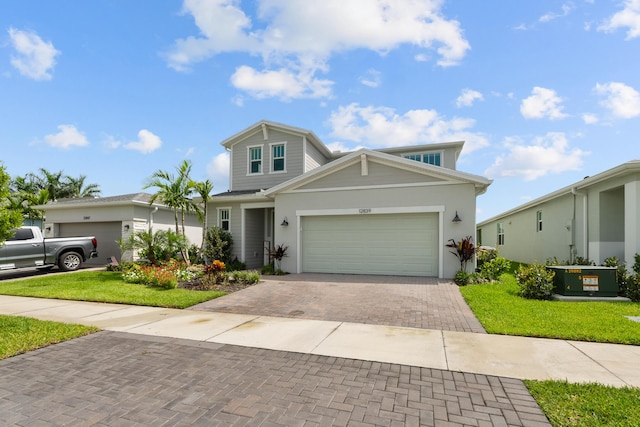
{"points": [[70, 261]]}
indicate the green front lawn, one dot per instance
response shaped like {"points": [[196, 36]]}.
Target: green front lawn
{"points": [[589, 405], [104, 286], [21, 334], [501, 311]]}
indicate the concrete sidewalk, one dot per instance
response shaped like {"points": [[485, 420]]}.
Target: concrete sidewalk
{"points": [[504, 356]]}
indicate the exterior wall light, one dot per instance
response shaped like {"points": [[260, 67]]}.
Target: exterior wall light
{"points": [[456, 219], [285, 222], [126, 227]]}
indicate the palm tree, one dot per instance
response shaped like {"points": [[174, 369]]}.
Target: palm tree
{"points": [[204, 189], [51, 181], [175, 192], [76, 187]]}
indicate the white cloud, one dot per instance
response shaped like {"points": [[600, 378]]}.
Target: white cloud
{"points": [[68, 137], [548, 154], [383, 127], [33, 57], [282, 83], [542, 103], [110, 142], [147, 142], [590, 119], [468, 97], [300, 37], [622, 100], [566, 9], [218, 171], [371, 79], [628, 17]]}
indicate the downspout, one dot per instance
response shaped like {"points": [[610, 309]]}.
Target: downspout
{"points": [[585, 222], [155, 209]]}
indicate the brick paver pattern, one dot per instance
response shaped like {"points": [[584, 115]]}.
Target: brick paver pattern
{"points": [[112, 378], [417, 302]]}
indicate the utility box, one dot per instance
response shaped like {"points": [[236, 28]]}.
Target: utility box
{"points": [[585, 280]]}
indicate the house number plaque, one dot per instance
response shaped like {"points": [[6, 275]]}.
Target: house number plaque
{"points": [[364, 210]]}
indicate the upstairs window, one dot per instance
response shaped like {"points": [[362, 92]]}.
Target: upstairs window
{"points": [[500, 233], [277, 155], [432, 158], [255, 159], [539, 221]]}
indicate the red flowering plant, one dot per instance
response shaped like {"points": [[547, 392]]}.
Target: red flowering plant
{"points": [[464, 250], [215, 274]]}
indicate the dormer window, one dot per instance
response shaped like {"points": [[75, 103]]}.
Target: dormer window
{"points": [[432, 158], [278, 157], [255, 160]]}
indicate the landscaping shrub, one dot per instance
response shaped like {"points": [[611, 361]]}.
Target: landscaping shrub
{"points": [[218, 245], [461, 278], [494, 268], [464, 250], [236, 265], [485, 254], [621, 273], [214, 274], [535, 282], [267, 270], [247, 277], [164, 276], [276, 254]]}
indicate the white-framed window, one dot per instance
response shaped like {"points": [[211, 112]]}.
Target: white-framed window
{"points": [[278, 157], [224, 218], [255, 160], [432, 157], [539, 221], [500, 233]]}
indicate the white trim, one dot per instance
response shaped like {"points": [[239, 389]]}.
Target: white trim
{"points": [[230, 170], [242, 235], [219, 218], [257, 205], [371, 211], [271, 158], [249, 147]]}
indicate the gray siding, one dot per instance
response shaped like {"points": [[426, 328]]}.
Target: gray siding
{"points": [[294, 162], [313, 157], [378, 174]]}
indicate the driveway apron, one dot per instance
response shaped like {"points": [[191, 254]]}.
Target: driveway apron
{"points": [[417, 302]]}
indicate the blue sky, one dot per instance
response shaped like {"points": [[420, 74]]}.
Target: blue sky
{"points": [[543, 92]]}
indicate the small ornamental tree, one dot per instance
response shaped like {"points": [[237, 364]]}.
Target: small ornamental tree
{"points": [[464, 250]]}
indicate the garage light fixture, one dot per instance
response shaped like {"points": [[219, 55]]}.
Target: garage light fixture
{"points": [[126, 227], [284, 222], [456, 219]]}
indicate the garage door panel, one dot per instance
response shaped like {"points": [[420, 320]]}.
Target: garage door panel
{"points": [[105, 232], [399, 244]]}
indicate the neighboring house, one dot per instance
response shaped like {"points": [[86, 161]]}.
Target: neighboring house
{"points": [[112, 218], [596, 218], [388, 212]]}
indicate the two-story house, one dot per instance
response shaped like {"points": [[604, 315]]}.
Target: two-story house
{"points": [[388, 212]]}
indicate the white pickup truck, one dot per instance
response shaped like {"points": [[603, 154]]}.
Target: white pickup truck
{"points": [[29, 248]]}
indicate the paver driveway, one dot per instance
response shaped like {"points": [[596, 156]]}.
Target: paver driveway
{"points": [[418, 302], [120, 379]]}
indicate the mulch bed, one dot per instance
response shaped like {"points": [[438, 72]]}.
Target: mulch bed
{"points": [[199, 285]]}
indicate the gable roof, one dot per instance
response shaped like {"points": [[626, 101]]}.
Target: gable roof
{"points": [[632, 166], [480, 182], [263, 125]]}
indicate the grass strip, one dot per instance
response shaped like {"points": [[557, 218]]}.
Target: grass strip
{"points": [[587, 405], [104, 286], [21, 334], [501, 311]]}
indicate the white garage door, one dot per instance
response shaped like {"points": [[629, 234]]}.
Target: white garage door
{"points": [[106, 232], [398, 244]]}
